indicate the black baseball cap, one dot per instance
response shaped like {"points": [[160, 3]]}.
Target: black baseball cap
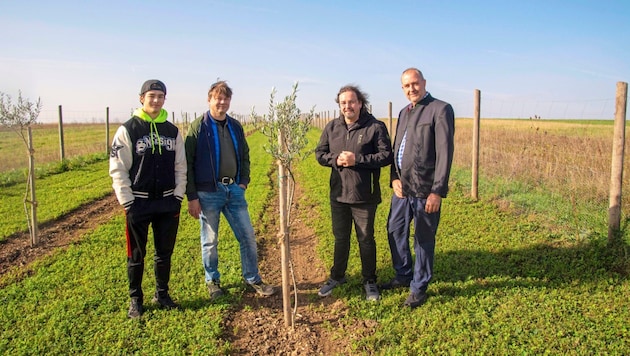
{"points": [[152, 84]]}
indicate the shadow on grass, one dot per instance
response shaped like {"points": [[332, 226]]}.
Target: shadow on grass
{"points": [[537, 266]]}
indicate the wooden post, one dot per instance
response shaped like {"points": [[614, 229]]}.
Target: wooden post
{"points": [[31, 175], [107, 143], [284, 237], [474, 189], [616, 170], [62, 153], [391, 119]]}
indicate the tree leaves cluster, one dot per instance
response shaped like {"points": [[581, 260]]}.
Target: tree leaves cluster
{"points": [[20, 115], [285, 119]]}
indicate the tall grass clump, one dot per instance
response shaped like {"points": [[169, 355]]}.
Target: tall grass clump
{"points": [[562, 166]]}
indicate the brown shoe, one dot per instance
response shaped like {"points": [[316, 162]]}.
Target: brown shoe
{"points": [[214, 289]]}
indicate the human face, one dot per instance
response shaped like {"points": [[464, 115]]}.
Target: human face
{"points": [[414, 86], [349, 105], [152, 102], [219, 105]]}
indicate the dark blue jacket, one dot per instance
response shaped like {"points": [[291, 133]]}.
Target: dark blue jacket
{"points": [[202, 154]]}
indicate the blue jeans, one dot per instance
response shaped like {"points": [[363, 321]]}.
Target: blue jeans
{"points": [[404, 212], [229, 200]]}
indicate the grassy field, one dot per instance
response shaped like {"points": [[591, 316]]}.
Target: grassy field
{"points": [[525, 270], [79, 140], [507, 281]]}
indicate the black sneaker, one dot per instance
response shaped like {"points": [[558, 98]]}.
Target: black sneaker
{"points": [[135, 308], [415, 300], [164, 301], [395, 283]]}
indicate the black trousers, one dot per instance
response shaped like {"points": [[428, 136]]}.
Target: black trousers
{"points": [[163, 216], [343, 217]]}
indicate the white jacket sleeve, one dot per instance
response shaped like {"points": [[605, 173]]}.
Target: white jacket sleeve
{"points": [[120, 161], [180, 168]]}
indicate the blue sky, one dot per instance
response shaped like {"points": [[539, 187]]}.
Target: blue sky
{"points": [[555, 59]]}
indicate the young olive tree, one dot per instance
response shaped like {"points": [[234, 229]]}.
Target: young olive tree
{"points": [[286, 127], [19, 117]]}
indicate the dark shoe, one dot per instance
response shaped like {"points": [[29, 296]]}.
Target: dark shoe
{"points": [[395, 283], [135, 308], [214, 289], [164, 301], [328, 287], [371, 291], [263, 289], [415, 300]]}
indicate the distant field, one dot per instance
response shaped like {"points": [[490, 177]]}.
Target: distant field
{"points": [[79, 139], [570, 157]]}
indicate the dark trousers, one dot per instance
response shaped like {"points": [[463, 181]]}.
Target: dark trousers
{"points": [[343, 216], [163, 216], [405, 211]]}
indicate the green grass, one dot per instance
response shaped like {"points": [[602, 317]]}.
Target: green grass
{"points": [[520, 272], [533, 277], [75, 302], [56, 194]]}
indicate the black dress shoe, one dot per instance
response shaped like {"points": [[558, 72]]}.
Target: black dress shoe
{"points": [[395, 283], [415, 300]]}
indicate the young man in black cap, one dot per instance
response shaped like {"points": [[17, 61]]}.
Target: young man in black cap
{"points": [[148, 168]]}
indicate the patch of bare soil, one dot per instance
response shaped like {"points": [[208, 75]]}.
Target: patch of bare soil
{"points": [[16, 250], [260, 328], [256, 325]]}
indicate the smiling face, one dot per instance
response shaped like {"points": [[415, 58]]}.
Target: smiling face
{"points": [[152, 102], [349, 105], [219, 105], [414, 86]]}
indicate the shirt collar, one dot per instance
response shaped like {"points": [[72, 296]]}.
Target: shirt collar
{"points": [[411, 106]]}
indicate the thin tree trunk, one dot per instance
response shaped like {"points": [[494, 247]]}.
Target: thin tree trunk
{"points": [[284, 238], [31, 174]]}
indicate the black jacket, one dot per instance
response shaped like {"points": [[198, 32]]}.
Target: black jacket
{"points": [[428, 153], [369, 140]]}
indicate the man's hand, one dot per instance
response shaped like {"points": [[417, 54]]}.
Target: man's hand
{"points": [[433, 203], [194, 208], [397, 186], [346, 159]]}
